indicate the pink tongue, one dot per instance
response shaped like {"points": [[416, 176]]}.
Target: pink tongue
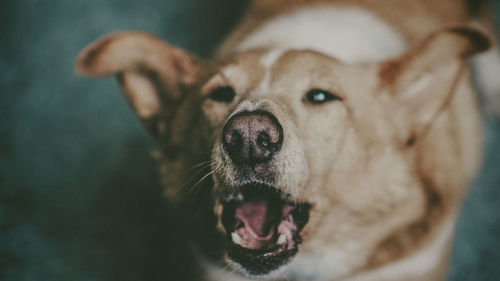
{"points": [[257, 216]]}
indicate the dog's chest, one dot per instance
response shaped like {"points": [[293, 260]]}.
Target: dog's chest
{"points": [[348, 34]]}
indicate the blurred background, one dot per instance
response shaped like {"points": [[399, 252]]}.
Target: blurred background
{"points": [[79, 195]]}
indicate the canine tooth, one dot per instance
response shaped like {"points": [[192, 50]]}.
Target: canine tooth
{"points": [[236, 238], [281, 239]]}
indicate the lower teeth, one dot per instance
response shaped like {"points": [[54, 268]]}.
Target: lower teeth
{"points": [[281, 239]]}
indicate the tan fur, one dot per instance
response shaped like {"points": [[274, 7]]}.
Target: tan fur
{"points": [[384, 168]]}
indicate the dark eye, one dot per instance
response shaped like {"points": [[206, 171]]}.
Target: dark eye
{"points": [[222, 94], [317, 96]]}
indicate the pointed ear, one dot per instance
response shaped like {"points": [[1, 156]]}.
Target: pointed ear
{"points": [[422, 82], [151, 73]]}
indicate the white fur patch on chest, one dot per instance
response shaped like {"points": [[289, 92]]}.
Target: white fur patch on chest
{"points": [[349, 34]]}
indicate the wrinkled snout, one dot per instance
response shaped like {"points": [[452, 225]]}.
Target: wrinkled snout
{"points": [[252, 137]]}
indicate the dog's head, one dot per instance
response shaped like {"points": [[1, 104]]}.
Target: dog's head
{"points": [[300, 150]]}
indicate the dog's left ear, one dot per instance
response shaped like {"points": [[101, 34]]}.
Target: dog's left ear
{"points": [[151, 73], [422, 82]]}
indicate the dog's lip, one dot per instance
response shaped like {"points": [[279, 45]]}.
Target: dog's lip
{"points": [[258, 263], [262, 227]]}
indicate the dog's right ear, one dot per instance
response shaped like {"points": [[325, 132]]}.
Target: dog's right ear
{"points": [[151, 73]]}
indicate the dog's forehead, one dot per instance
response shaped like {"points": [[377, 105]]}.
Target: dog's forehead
{"points": [[261, 70], [278, 60], [295, 66]]}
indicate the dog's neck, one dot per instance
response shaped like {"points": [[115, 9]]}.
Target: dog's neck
{"points": [[349, 34], [426, 261]]}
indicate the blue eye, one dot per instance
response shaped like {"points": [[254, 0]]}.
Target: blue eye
{"points": [[317, 96]]}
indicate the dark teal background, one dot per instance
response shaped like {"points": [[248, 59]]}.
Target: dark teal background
{"points": [[79, 195]]}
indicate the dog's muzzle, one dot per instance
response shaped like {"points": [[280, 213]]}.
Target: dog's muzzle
{"points": [[262, 222]]}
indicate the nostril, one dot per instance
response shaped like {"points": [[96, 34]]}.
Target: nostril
{"points": [[263, 140], [234, 138]]}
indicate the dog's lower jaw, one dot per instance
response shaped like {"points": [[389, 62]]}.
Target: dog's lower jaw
{"points": [[232, 271]]}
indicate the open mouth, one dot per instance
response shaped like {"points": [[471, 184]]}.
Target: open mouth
{"points": [[262, 228]]}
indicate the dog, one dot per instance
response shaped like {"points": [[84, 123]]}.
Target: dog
{"points": [[326, 140]]}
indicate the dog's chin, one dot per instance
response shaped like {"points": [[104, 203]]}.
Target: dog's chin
{"points": [[262, 228]]}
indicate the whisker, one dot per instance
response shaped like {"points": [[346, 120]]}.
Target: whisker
{"points": [[213, 192], [204, 165], [193, 188], [202, 179], [189, 181], [208, 163]]}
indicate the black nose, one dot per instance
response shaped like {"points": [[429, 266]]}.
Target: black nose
{"points": [[252, 137]]}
